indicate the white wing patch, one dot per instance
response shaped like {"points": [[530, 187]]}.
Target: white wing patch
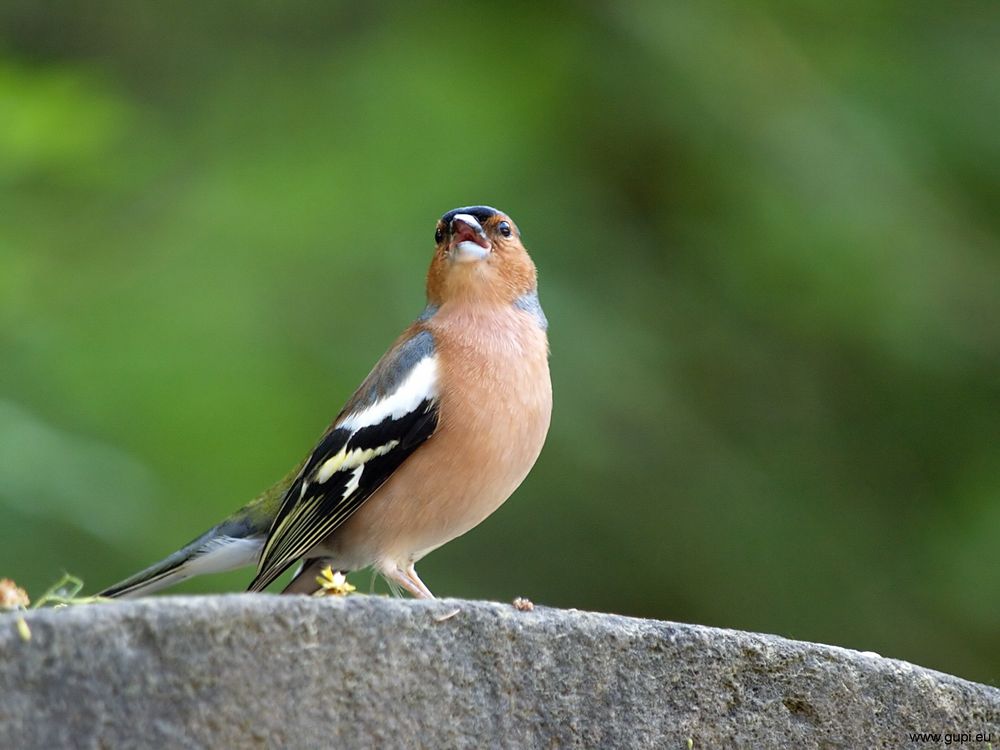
{"points": [[349, 459], [420, 385], [354, 481]]}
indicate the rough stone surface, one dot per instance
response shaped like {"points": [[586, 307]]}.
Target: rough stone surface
{"points": [[287, 672]]}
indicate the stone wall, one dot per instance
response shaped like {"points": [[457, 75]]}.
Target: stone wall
{"points": [[244, 671]]}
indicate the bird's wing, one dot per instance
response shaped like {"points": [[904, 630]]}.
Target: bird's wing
{"points": [[392, 413]]}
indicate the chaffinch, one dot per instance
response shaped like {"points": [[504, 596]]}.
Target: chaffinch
{"points": [[436, 438]]}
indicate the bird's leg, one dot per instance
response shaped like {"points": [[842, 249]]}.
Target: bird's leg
{"points": [[395, 574], [411, 573]]}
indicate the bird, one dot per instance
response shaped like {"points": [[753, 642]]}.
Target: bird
{"points": [[441, 432]]}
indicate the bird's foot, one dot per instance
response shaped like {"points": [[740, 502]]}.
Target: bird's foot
{"points": [[407, 578]]}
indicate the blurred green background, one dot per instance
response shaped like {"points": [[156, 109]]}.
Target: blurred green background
{"points": [[768, 243]]}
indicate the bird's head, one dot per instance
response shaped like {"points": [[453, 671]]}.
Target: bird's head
{"points": [[479, 258]]}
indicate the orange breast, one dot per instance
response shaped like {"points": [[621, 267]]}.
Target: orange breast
{"points": [[495, 407]]}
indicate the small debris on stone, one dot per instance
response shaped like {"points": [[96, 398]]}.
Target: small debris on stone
{"points": [[333, 584], [12, 596]]}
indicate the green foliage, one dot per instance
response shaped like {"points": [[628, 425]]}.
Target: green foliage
{"points": [[768, 244], [65, 592]]}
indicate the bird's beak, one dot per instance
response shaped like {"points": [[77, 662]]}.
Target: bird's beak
{"points": [[468, 240]]}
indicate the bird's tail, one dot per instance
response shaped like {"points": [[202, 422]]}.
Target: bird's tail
{"points": [[234, 543], [212, 552]]}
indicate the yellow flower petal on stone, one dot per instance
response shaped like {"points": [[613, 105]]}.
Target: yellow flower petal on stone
{"points": [[333, 583]]}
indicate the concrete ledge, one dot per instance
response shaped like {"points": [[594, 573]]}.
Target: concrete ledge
{"points": [[246, 671]]}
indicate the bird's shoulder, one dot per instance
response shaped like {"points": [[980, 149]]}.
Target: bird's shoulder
{"points": [[412, 355]]}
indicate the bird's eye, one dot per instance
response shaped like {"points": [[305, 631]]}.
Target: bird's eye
{"points": [[438, 235], [504, 228]]}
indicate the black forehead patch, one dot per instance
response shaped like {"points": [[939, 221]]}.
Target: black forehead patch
{"points": [[481, 213]]}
